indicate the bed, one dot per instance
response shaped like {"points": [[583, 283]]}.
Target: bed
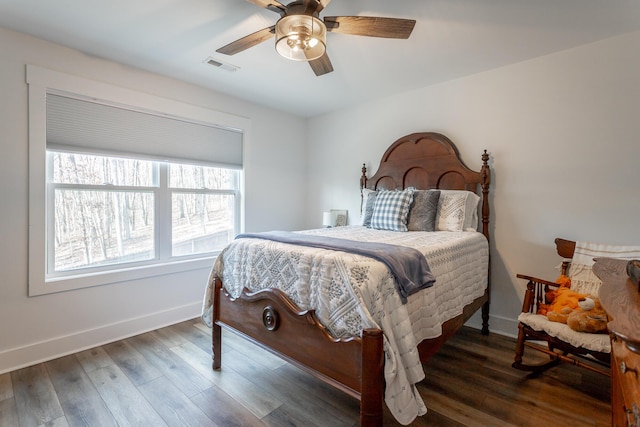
{"points": [[338, 337]]}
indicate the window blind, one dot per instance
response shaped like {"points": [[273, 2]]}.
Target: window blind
{"points": [[83, 125]]}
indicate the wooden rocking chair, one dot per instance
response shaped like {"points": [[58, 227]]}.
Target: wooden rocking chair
{"points": [[532, 335]]}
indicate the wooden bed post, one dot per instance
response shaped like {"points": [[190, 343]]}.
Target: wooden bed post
{"points": [[486, 181], [485, 173], [216, 330], [372, 392], [363, 184]]}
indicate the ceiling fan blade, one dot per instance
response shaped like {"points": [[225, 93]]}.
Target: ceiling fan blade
{"points": [[321, 65], [272, 5], [247, 41], [392, 28]]}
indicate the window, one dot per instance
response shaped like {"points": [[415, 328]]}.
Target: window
{"points": [[112, 212], [125, 185], [203, 208]]}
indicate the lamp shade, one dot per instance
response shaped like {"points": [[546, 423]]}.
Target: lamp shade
{"points": [[301, 37], [326, 219]]}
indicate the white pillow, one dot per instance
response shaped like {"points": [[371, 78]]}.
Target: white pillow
{"points": [[457, 211]]}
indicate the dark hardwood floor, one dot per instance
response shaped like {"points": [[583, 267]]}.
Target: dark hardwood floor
{"points": [[164, 377]]}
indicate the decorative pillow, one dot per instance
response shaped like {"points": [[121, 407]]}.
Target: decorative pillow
{"points": [[423, 210], [391, 209], [457, 211], [368, 200]]}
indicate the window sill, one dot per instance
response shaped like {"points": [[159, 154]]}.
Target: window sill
{"points": [[43, 286]]}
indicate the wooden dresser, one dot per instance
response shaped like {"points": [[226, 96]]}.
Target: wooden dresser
{"points": [[621, 298]]}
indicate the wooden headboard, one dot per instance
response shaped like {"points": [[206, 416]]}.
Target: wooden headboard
{"points": [[429, 160]]}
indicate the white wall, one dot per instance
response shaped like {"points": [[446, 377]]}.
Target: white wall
{"points": [[37, 328], [562, 131], [563, 134]]}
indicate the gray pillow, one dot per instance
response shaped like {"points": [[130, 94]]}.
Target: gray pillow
{"points": [[422, 214]]}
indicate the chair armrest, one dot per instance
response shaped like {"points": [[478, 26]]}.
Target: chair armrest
{"points": [[535, 293]]}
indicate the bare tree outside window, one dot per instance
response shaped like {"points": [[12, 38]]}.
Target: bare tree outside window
{"points": [[105, 209], [201, 221]]}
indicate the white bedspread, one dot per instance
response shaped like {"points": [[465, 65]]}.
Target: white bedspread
{"points": [[351, 292]]}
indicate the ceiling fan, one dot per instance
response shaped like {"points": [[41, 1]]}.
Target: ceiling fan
{"points": [[301, 35]]}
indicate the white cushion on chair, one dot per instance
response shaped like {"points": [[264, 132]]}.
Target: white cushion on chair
{"points": [[594, 342]]}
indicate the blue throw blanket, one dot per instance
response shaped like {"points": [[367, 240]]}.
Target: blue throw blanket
{"points": [[408, 265]]}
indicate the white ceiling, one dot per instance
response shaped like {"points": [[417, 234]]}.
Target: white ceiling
{"points": [[452, 38]]}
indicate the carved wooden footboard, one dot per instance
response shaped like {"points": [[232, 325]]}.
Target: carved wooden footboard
{"points": [[271, 320]]}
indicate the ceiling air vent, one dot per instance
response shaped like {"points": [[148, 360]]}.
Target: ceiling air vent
{"points": [[219, 64]]}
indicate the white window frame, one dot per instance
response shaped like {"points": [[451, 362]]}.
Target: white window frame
{"points": [[42, 81]]}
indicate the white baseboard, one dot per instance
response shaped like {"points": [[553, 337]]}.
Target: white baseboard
{"points": [[497, 325], [43, 351], [53, 348]]}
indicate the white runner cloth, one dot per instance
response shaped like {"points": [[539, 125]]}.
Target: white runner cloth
{"points": [[583, 280]]}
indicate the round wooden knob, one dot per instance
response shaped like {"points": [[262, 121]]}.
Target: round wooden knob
{"points": [[270, 318]]}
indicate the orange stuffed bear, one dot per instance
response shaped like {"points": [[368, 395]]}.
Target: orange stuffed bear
{"points": [[560, 300], [579, 311], [590, 317], [564, 303]]}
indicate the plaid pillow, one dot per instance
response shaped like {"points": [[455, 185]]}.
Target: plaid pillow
{"points": [[391, 209]]}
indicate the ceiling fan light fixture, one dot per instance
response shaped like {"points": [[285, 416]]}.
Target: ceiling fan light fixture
{"points": [[301, 37]]}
